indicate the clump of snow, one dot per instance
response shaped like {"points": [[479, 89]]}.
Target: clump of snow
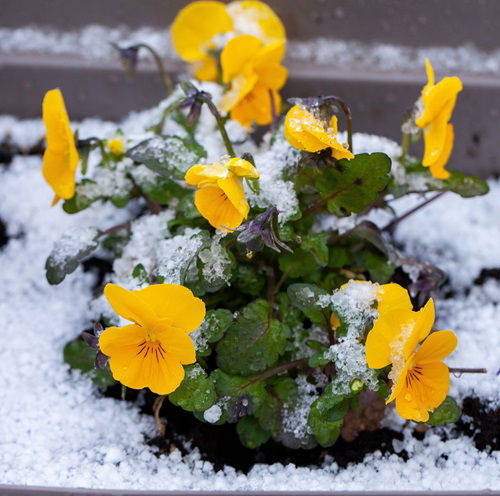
{"points": [[272, 162], [212, 414], [215, 260], [176, 256], [354, 303], [147, 234], [73, 241]]}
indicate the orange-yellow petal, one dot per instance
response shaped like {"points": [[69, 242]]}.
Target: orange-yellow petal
{"points": [[175, 303], [436, 347], [237, 54], [393, 296], [175, 342], [424, 320], [215, 206], [129, 305], [205, 174], [243, 168], [233, 188], [241, 87], [60, 159], [437, 167], [195, 27], [206, 69], [114, 339], [257, 18]]}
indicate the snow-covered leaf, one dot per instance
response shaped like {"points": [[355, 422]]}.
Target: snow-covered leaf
{"points": [[196, 392]]}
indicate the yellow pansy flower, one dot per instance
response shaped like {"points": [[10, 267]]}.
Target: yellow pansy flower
{"points": [[255, 75], [421, 380], [150, 352], [116, 146], [438, 101], [60, 159], [306, 132], [220, 197], [204, 27]]}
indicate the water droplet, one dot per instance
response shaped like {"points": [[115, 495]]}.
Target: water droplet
{"points": [[408, 397]]}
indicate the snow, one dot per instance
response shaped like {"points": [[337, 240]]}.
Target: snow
{"points": [[93, 42], [56, 430]]}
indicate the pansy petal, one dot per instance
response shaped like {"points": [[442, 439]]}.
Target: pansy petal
{"points": [[408, 409], [439, 99], [215, 206], [437, 167], [129, 305], [436, 347], [176, 343], [196, 25], [243, 168], [115, 338], [377, 350], [168, 376], [400, 383], [391, 296], [233, 188], [175, 303], [254, 17], [241, 86], [435, 383], [205, 69], [237, 53], [423, 325], [205, 174]]}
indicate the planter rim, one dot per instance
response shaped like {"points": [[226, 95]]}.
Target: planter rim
{"points": [[11, 490]]}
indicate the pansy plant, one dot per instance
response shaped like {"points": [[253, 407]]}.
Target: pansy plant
{"points": [[238, 311]]}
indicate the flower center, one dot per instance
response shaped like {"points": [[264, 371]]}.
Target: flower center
{"points": [[151, 347]]}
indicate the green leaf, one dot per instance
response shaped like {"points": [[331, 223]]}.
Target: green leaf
{"points": [[140, 273], [351, 185], [379, 268], [169, 156], [319, 359], [305, 298], [162, 190], [68, 252], [326, 417], [238, 396], [447, 412], [297, 264], [254, 342], [79, 202], [196, 392], [79, 356], [316, 244], [251, 434], [459, 183], [212, 329]]}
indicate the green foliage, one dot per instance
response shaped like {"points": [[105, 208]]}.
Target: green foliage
{"points": [[79, 356], [196, 392], [169, 156], [305, 298], [447, 412], [66, 256], [254, 342], [351, 185], [462, 184], [311, 255], [251, 434]]}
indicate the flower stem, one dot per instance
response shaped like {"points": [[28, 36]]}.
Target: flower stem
{"points": [[459, 370], [405, 145], [269, 373], [111, 230], [167, 81], [158, 403], [397, 220], [158, 128], [220, 124]]}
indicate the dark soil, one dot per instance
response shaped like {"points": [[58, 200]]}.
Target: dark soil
{"points": [[220, 444], [8, 150], [485, 426], [4, 238]]}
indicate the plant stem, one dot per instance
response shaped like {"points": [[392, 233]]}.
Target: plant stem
{"points": [[111, 230], [269, 373], [158, 403], [347, 113], [167, 81], [158, 128], [397, 220], [459, 370], [405, 145], [153, 205], [220, 125]]}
